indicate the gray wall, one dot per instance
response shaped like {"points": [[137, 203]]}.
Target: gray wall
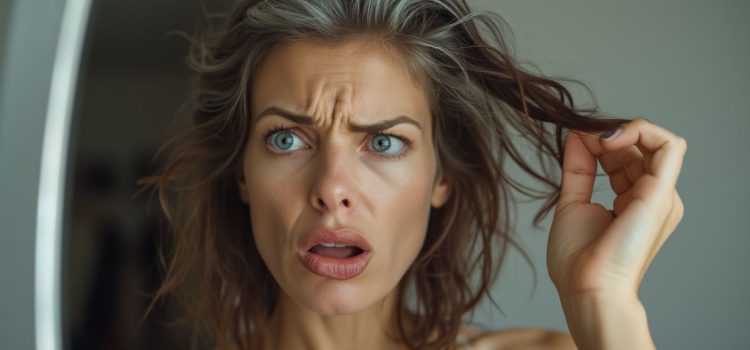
{"points": [[682, 65], [4, 10], [26, 73], [36, 73]]}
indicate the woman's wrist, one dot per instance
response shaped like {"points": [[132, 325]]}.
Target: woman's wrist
{"points": [[607, 321]]}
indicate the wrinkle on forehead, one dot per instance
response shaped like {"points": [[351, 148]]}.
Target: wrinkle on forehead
{"points": [[337, 83], [329, 102]]}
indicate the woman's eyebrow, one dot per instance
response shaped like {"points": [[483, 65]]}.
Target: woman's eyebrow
{"points": [[369, 128]]}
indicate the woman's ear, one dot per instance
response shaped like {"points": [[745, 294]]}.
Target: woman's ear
{"points": [[442, 189]]}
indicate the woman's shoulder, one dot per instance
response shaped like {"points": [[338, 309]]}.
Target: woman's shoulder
{"points": [[515, 338]]}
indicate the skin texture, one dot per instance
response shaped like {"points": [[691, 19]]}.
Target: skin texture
{"points": [[333, 178]]}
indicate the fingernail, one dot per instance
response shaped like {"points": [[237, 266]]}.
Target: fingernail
{"points": [[610, 134]]}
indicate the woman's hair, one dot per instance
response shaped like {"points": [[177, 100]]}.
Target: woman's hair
{"points": [[484, 107]]}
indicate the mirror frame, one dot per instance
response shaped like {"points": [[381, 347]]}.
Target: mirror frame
{"points": [[39, 71]]}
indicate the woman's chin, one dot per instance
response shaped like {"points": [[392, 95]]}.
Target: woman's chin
{"points": [[337, 309], [337, 298]]}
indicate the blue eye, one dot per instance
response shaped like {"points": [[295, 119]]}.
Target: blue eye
{"points": [[387, 144], [284, 141]]}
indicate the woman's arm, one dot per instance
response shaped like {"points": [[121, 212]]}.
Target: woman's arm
{"points": [[597, 257]]}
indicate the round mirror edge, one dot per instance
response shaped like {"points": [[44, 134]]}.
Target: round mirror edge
{"points": [[52, 179]]}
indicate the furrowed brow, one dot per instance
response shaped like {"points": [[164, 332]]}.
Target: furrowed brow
{"points": [[367, 128], [297, 118], [384, 125]]}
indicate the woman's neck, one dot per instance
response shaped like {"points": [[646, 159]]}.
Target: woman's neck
{"points": [[293, 326]]}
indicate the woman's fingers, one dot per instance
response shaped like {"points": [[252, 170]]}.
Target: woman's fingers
{"points": [[636, 149], [624, 166], [662, 150], [579, 171]]}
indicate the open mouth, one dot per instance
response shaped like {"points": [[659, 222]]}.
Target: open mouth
{"points": [[338, 254], [333, 250]]}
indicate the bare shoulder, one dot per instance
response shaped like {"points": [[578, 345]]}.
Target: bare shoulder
{"points": [[518, 338]]}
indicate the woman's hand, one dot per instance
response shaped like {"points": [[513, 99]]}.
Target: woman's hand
{"points": [[595, 254], [595, 250]]}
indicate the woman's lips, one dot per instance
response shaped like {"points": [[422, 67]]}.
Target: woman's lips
{"points": [[332, 267]]}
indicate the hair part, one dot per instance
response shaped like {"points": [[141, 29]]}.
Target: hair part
{"points": [[481, 101]]}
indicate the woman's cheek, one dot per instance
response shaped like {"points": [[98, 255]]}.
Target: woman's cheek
{"points": [[274, 188], [277, 189], [410, 207]]}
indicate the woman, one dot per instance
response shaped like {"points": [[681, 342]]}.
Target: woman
{"points": [[344, 183]]}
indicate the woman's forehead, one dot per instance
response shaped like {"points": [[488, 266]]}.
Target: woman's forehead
{"points": [[358, 77]]}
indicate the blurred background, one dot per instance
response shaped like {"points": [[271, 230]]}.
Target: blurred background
{"points": [[680, 64]]}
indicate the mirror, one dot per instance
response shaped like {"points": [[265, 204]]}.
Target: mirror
{"points": [[132, 83]]}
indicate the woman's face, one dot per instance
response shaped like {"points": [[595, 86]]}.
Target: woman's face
{"points": [[340, 140]]}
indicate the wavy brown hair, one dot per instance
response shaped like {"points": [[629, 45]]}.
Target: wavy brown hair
{"points": [[485, 109]]}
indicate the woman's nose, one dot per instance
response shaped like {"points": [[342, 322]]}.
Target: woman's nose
{"points": [[334, 188]]}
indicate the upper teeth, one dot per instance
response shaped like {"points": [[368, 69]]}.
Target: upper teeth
{"points": [[333, 245]]}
